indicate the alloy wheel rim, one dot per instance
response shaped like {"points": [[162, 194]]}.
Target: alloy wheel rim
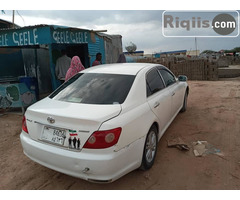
{"points": [[151, 146]]}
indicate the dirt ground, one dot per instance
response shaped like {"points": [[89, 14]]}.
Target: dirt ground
{"points": [[213, 115]]}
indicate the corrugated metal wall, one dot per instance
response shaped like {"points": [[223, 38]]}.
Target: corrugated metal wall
{"points": [[43, 71], [113, 48], [95, 47]]}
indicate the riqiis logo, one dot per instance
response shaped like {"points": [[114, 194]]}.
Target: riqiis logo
{"points": [[200, 24]]}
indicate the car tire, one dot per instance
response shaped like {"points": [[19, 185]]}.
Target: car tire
{"points": [[184, 107], [150, 149]]}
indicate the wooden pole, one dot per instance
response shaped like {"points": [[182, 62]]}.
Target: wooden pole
{"points": [[196, 45], [13, 25]]}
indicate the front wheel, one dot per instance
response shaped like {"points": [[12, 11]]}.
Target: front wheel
{"points": [[150, 149]]}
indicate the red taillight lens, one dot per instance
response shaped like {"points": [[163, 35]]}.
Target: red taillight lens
{"points": [[103, 139], [24, 124]]}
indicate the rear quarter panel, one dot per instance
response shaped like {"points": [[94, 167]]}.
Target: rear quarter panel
{"points": [[135, 125], [136, 117]]}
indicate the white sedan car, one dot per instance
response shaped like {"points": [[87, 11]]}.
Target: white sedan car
{"points": [[105, 121]]}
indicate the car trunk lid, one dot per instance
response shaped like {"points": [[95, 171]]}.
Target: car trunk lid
{"points": [[67, 125]]}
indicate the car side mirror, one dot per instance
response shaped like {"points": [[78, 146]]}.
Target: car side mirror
{"points": [[182, 78]]}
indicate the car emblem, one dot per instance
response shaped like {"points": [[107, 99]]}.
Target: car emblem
{"points": [[51, 120]]}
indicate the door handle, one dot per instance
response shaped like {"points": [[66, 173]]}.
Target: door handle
{"points": [[156, 104], [173, 93]]}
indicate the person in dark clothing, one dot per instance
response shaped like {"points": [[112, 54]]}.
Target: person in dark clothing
{"points": [[121, 58], [98, 60]]}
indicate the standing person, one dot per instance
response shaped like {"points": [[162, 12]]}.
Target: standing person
{"points": [[62, 66], [121, 58], [75, 67], [98, 60]]}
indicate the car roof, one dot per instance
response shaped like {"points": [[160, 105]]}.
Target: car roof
{"points": [[119, 68]]}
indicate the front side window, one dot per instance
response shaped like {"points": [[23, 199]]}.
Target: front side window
{"points": [[168, 78], [95, 88], [154, 82]]}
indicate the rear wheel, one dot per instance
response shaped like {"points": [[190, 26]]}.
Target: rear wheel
{"points": [[184, 108], [150, 149]]}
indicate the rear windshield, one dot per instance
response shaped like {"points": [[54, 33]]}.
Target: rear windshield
{"points": [[95, 88]]}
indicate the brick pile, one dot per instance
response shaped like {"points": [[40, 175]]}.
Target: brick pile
{"points": [[193, 69]]}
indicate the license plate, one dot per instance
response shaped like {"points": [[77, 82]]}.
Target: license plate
{"points": [[56, 136]]}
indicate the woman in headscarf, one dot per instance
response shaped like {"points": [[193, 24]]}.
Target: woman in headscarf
{"points": [[75, 67]]}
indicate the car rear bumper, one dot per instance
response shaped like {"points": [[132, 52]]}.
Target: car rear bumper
{"points": [[103, 166]]}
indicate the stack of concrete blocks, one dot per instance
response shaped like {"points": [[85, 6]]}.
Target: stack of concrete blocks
{"points": [[236, 61], [212, 71], [193, 69], [223, 62]]}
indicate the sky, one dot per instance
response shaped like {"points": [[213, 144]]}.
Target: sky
{"points": [[142, 27]]}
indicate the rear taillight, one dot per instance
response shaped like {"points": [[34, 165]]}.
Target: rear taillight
{"points": [[103, 139], [24, 125]]}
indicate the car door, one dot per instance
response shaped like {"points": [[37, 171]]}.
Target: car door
{"points": [[174, 88], [159, 98]]}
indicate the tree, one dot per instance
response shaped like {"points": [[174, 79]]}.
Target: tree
{"points": [[131, 47], [236, 49]]}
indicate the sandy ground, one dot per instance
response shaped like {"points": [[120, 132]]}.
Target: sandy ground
{"points": [[213, 115]]}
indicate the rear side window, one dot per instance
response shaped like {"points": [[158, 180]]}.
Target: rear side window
{"points": [[95, 88], [154, 82], [168, 78]]}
